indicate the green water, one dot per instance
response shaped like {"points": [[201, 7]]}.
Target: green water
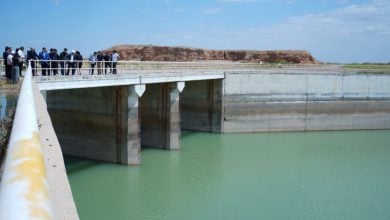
{"points": [[314, 175]]}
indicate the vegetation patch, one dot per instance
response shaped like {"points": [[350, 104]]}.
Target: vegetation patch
{"points": [[369, 68]]}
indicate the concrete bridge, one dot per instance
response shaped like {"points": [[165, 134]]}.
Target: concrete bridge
{"points": [[109, 117]]}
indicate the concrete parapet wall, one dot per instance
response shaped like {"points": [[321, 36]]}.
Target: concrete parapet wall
{"points": [[306, 101]]}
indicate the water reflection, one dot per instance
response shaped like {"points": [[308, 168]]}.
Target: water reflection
{"points": [[3, 107]]}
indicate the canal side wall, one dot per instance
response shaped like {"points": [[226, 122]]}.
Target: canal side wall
{"points": [[274, 100]]}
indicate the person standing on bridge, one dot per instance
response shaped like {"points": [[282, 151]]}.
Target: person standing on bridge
{"points": [[63, 58], [22, 59], [32, 57], [6, 52], [92, 61], [16, 60], [71, 63], [8, 67], [79, 59], [99, 58], [107, 63], [44, 57], [54, 57], [114, 59]]}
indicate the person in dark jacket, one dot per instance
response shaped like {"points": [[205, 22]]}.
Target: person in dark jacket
{"points": [[99, 62], [71, 63], [16, 60], [5, 55], [63, 58], [79, 59], [32, 58], [107, 63], [54, 57], [8, 62]]}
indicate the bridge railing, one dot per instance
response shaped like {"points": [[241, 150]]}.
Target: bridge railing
{"points": [[85, 67], [23, 189]]}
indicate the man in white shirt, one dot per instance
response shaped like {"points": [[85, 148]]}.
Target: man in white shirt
{"points": [[22, 59], [114, 60]]}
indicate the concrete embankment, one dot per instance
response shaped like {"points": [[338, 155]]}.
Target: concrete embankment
{"points": [[304, 100], [60, 193]]}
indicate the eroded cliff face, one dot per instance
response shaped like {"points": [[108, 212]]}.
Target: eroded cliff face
{"points": [[164, 53]]}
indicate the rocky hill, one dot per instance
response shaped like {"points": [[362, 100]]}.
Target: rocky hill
{"points": [[164, 53]]}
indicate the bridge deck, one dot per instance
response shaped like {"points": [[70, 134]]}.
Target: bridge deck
{"points": [[88, 81], [136, 72]]}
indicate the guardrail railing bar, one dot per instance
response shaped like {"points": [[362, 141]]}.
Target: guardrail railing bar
{"points": [[23, 190]]}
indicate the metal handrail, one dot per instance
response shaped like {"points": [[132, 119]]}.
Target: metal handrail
{"points": [[106, 67], [126, 67], [24, 190]]}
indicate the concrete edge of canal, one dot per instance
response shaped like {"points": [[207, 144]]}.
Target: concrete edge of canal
{"points": [[59, 188]]}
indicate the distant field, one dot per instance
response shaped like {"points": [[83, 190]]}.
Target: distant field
{"points": [[368, 66]]}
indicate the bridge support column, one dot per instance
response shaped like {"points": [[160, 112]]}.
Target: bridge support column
{"points": [[160, 127], [131, 152]]}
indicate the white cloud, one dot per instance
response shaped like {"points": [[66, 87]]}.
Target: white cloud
{"points": [[353, 33], [211, 11]]}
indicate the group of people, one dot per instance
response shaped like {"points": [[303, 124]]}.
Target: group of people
{"points": [[13, 63], [53, 63], [104, 61]]}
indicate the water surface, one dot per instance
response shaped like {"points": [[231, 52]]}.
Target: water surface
{"points": [[3, 106], [314, 175]]}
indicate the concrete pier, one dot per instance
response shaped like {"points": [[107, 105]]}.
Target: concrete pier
{"points": [[160, 118]]}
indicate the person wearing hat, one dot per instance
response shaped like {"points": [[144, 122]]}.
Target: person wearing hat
{"points": [[44, 57]]}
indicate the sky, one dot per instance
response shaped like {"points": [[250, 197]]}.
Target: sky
{"points": [[342, 31]]}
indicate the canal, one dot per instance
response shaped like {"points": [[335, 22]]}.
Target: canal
{"points": [[297, 175]]}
